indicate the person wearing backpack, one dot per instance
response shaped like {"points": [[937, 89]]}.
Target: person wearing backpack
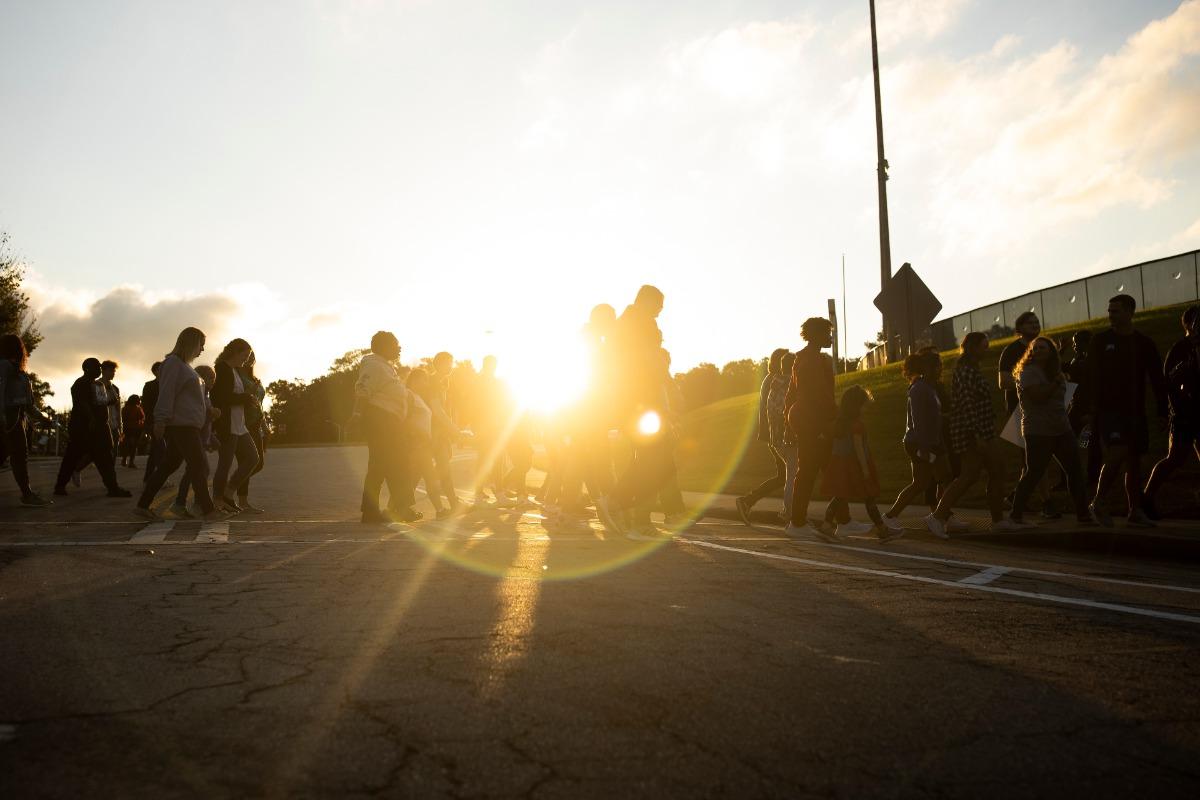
{"points": [[1182, 370]]}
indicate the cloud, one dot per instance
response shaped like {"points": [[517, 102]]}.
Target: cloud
{"points": [[745, 64], [323, 319]]}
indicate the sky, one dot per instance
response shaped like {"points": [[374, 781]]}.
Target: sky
{"points": [[476, 176]]}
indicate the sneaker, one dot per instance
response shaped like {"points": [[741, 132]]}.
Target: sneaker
{"points": [[146, 513], [1051, 515], [119, 492], [743, 509], [852, 528], [675, 521], [957, 526], [886, 534], [1138, 519], [403, 515], [936, 527], [76, 479], [892, 524], [608, 517], [180, 510], [229, 504], [216, 515], [1022, 523], [645, 532], [247, 508], [35, 501], [803, 532], [1101, 515]]}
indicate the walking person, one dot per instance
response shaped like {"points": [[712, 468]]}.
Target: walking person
{"points": [[935, 490], [1041, 388], [156, 448], [1121, 362], [1075, 369], [746, 502], [381, 400], [1028, 328], [256, 423], [971, 419], [851, 473], [489, 422], [810, 411], [89, 432], [642, 413], [1181, 370], [179, 416], [16, 407], [922, 435], [133, 422], [209, 441], [418, 426], [230, 397], [445, 431]]}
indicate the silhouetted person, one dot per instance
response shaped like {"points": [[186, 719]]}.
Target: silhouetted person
{"points": [[490, 422], [208, 440], [133, 423], [382, 403], [180, 415], [154, 451], [922, 436], [1121, 361], [746, 502], [89, 433], [418, 426], [971, 418], [1182, 372], [1042, 387], [1077, 410], [810, 411], [445, 431], [230, 396], [641, 405], [16, 407], [108, 394], [257, 425], [1028, 328]]}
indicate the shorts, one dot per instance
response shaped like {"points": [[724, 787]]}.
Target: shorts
{"points": [[1122, 430]]}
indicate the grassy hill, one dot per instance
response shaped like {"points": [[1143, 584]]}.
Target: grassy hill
{"points": [[716, 448]]}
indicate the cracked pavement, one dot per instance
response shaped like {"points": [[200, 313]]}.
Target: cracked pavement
{"points": [[346, 660]]}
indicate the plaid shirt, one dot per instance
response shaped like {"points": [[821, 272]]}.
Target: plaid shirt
{"points": [[972, 415]]}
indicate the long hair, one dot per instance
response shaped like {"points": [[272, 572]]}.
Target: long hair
{"points": [[850, 409], [12, 347], [248, 367], [188, 342], [1053, 365], [234, 346]]}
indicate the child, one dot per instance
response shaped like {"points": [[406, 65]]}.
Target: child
{"points": [[851, 473], [207, 438]]}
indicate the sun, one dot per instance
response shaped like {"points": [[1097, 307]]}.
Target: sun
{"points": [[548, 383]]}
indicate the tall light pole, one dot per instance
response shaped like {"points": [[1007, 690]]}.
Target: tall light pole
{"points": [[885, 238]]}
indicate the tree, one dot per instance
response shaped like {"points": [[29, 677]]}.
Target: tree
{"points": [[741, 377], [700, 385], [14, 303]]}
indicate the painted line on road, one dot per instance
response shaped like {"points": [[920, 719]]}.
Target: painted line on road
{"points": [[986, 576], [153, 533], [1050, 598], [213, 533], [981, 565]]}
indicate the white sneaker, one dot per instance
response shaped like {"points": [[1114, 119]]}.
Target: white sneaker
{"points": [[892, 524], [957, 526], [852, 528], [802, 531], [607, 518], [936, 527], [1005, 525]]}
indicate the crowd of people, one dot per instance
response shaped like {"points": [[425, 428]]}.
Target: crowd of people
{"points": [[412, 418], [1087, 416], [1082, 426]]}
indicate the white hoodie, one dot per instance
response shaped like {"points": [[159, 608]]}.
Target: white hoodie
{"points": [[379, 385]]}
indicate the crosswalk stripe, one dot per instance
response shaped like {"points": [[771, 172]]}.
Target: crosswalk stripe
{"points": [[153, 533], [213, 533]]}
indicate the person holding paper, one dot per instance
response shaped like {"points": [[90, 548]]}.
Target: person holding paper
{"points": [[1041, 391]]}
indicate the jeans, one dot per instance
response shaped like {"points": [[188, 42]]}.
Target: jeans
{"points": [[422, 467], [652, 466], [384, 461], [157, 451], [15, 444], [243, 489], [778, 480], [988, 456], [95, 445], [1038, 452], [242, 447], [811, 456], [443, 454], [923, 474], [182, 445]]}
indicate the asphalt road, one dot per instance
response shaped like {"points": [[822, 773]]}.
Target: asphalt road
{"points": [[304, 654]]}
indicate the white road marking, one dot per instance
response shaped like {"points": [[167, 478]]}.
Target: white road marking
{"points": [[1023, 570], [213, 533], [986, 576], [153, 533], [1051, 598]]}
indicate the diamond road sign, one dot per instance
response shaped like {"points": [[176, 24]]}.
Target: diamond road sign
{"points": [[907, 304]]}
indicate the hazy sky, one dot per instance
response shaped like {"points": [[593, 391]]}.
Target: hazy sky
{"points": [[475, 176]]}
